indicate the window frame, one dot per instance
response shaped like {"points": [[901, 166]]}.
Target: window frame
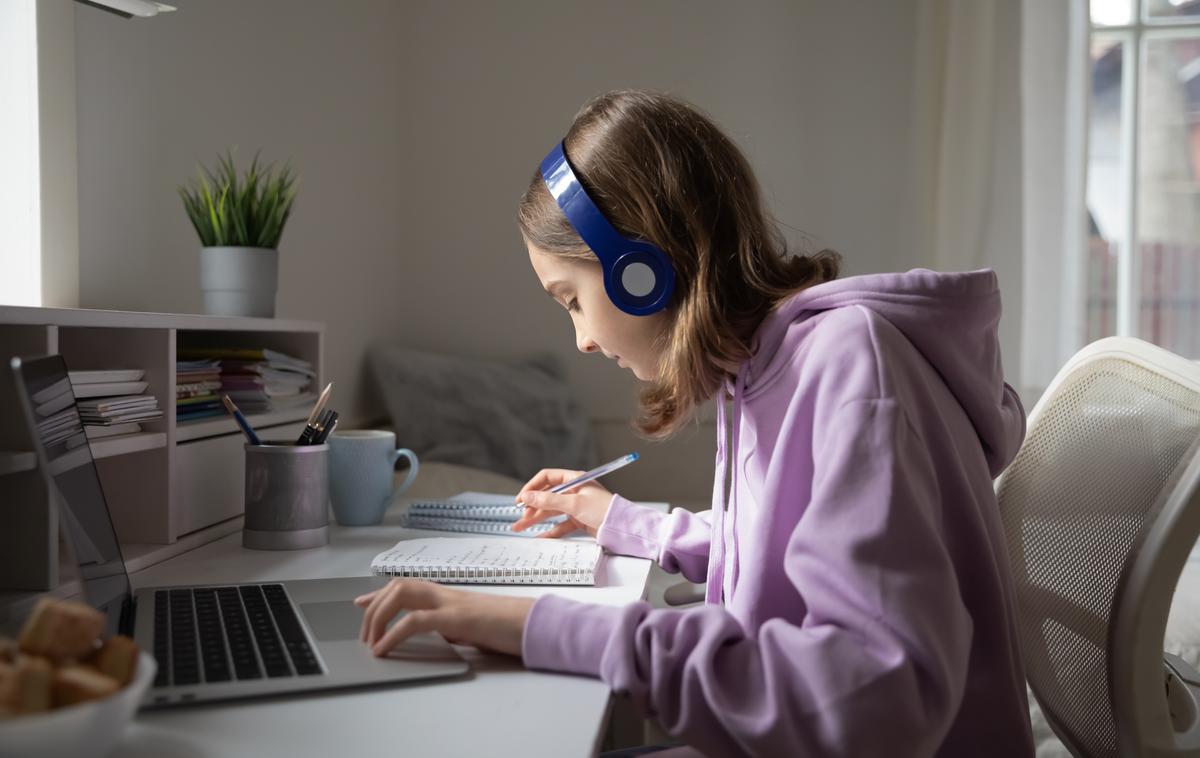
{"points": [[1133, 38]]}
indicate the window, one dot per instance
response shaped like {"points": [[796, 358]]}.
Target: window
{"points": [[1143, 165], [20, 188]]}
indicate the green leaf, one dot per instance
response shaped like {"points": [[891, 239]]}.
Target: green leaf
{"points": [[248, 209]]}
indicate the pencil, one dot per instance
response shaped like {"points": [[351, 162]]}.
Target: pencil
{"points": [[241, 420]]}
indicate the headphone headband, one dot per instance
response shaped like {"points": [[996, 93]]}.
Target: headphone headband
{"points": [[637, 275]]}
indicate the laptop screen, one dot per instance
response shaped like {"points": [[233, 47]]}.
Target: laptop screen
{"points": [[64, 455]]}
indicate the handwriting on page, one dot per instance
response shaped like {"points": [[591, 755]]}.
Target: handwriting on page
{"points": [[503, 554]]}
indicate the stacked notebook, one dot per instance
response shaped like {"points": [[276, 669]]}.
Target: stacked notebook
{"points": [[57, 417], [196, 385], [257, 380], [475, 513], [110, 402], [458, 560], [105, 383]]}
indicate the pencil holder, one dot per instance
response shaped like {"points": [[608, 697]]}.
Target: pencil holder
{"points": [[287, 496]]}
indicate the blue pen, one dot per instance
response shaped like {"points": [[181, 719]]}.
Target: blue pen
{"points": [[595, 473], [241, 420]]}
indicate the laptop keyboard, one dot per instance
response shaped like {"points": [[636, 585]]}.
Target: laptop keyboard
{"points": [[224, 634]]}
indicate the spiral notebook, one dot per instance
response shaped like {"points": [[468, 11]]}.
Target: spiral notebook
{"points": [[473, 513], [458, 560]]}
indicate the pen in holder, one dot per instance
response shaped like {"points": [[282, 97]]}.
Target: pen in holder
{"points": [[287, 496]]}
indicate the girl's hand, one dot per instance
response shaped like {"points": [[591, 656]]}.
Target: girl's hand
{"points": [[491, 622], [585, 506]]}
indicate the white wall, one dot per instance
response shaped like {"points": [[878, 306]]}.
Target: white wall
{"points": [[416, 127], [57, 154]]}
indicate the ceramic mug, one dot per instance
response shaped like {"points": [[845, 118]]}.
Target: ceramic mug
{"points": [[361, 467]]}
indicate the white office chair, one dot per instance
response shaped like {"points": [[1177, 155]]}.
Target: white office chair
{"points": [[1100, 509]]}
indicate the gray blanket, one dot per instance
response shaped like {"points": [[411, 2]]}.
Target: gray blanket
{"points": [[514, 417]]}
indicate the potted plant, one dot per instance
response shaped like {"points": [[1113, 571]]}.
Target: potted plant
{"points": [[240, 221]]}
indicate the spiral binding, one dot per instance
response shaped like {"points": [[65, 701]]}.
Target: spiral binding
{"points": [[474, 526], [455, 509], [475, 575]]}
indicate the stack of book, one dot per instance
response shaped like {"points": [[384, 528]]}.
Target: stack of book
{"points": [[111, 402], [57, 416], [196, 385], [258, 380]]}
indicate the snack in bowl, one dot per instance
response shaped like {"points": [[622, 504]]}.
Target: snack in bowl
{"points": [[60, 661], [25, 685], [63, 690], [117, 658], [77, 683], [61, 630], [90, 729]]}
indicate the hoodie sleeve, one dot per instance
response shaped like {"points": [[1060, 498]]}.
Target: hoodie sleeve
{"points": [[878, 665], [678, 541]]}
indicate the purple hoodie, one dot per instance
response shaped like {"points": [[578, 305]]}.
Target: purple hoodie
{"points": [[859, 600]]}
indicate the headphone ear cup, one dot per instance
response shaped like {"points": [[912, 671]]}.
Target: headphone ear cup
{"points": [[640, 281]]}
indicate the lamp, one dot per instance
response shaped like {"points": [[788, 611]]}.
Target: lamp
{"points": [[129, 8]]}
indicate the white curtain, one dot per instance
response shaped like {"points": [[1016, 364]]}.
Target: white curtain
{"points": [[1055, 81], [967, 134], [999, 159]]}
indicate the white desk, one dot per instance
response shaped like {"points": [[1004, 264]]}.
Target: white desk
{"points": [[491, 711]]}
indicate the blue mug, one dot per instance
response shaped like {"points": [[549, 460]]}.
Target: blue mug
{"points": [[361, 466]]}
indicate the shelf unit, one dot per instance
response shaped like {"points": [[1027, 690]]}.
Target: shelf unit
{"points": [[173, 486]]}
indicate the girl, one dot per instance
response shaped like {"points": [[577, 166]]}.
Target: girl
{"points": [[858, 598]]}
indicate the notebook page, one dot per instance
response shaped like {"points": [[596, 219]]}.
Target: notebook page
{"points": [[489, 559], [489, 553]]}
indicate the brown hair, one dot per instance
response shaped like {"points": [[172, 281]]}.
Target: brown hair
{"points": [[660, 170]]}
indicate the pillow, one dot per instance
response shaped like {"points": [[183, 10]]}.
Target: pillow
{"points": [[514, 417]]}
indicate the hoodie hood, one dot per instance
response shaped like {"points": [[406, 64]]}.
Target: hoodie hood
{"points": [[951, 319]]}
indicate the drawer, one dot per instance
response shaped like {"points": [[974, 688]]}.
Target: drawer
{"points": [[208, 484]]}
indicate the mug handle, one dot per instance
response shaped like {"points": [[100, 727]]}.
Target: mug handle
{"points": [[412, 470]]}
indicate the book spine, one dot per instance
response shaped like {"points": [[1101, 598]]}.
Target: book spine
{"points": [[473, 575]]}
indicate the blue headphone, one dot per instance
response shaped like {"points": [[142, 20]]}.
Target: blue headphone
{"points": [[637, 275]]}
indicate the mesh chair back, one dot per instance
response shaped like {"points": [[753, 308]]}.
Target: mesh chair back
{"points": [[1101, 445]]}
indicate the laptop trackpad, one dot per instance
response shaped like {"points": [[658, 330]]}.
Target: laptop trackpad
{"points": [[333, 620], [342, 620]]}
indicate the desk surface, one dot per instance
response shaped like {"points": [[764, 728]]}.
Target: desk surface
{"points": [[487, 712]]}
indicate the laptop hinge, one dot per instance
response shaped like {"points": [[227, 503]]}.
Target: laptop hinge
{"points": [[128, 613]]}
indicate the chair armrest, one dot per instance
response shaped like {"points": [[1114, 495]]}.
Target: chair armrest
{"points": [[684, 593]]}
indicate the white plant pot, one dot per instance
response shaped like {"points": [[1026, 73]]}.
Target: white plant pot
{"points": [[239, 281]]}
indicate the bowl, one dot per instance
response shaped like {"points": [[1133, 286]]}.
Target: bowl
{"points": [[84, 730]]}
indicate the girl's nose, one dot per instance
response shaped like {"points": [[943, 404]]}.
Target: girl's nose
{"points": [[585, 344]]}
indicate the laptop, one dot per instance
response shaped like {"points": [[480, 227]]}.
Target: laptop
{"points": [[212, 642]]}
